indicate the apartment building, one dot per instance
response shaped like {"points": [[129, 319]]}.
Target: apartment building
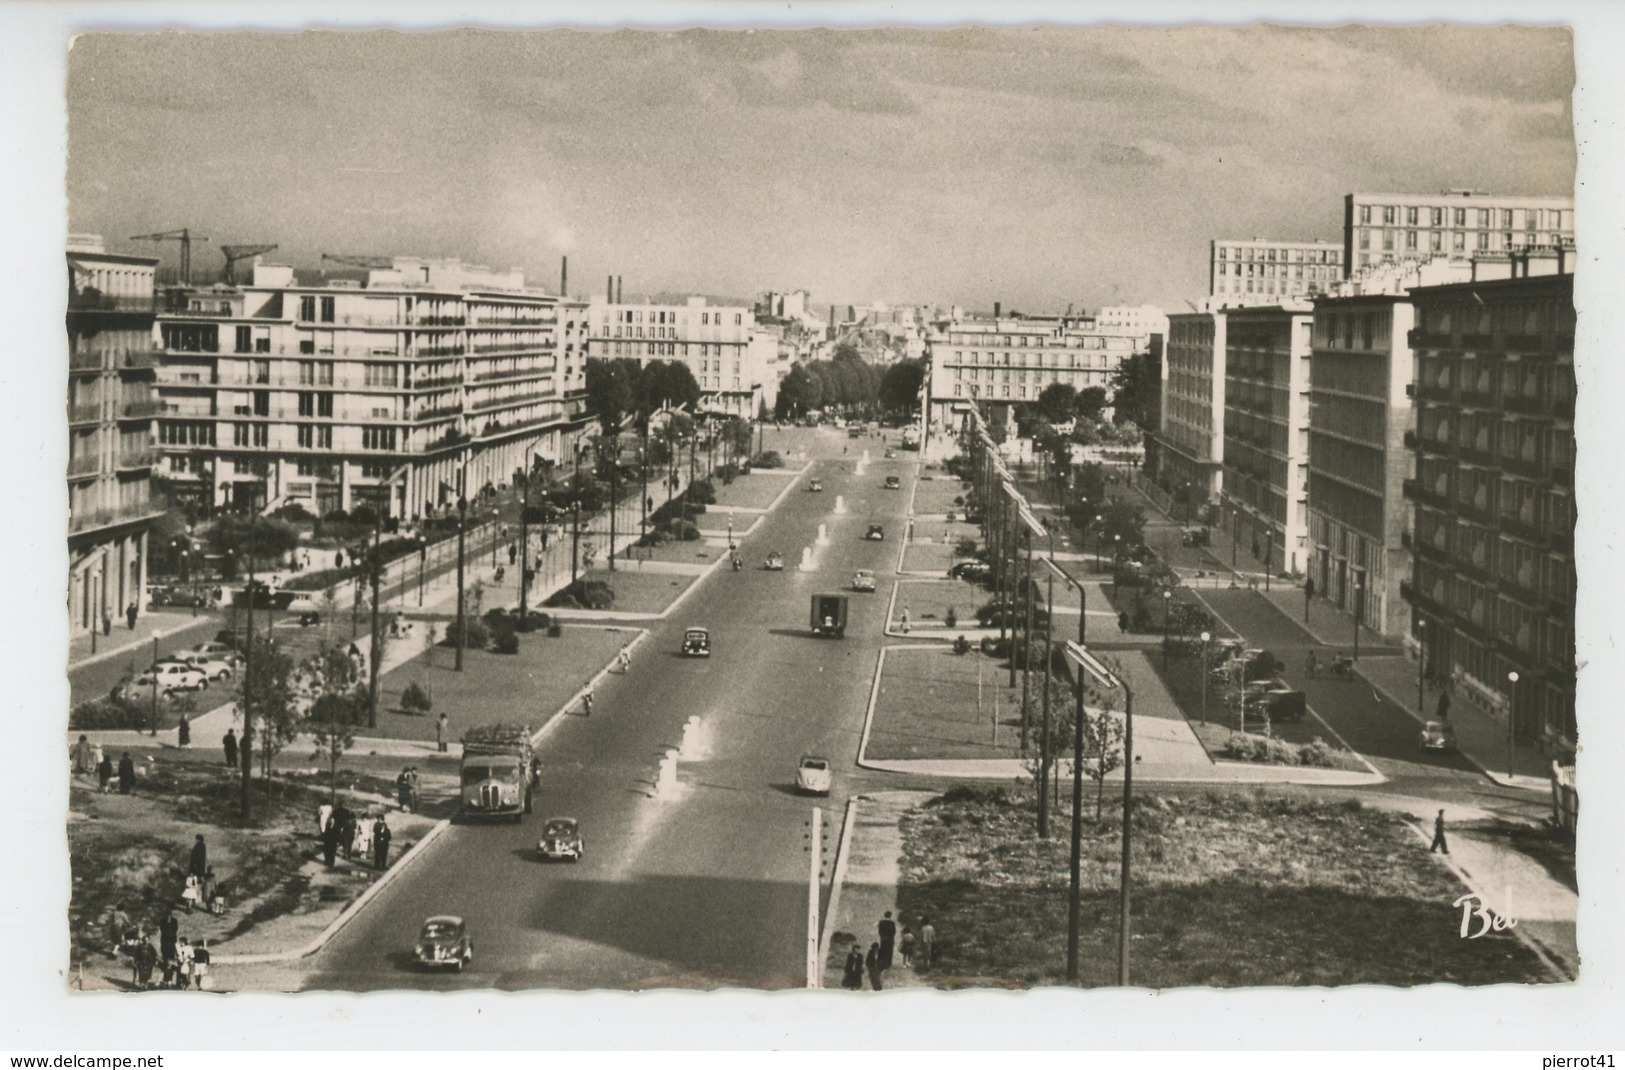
{"points": [[1262, 271], [733, 360], [1453, 223], [1009, 361], [395, 390], [1190, 438], [1266, 433], [1493, 586], [111, 406]]}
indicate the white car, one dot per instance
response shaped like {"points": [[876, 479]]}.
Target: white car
{"points": [[214, 666], [813, 775], [863, 580], [173, 676], [211, 649]]}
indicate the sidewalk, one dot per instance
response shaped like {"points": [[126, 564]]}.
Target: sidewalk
{"points": [[868, 889], [150, 625]]}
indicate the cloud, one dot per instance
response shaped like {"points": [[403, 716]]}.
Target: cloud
{"points": [[1130, 156]]}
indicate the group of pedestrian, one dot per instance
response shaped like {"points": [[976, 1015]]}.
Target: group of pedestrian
{"points": [[107, 775], [175, 962], [915, 950], [406, 789], [341, 830]]}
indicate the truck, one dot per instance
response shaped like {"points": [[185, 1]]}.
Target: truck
{"points": [[499, 772], [829, 615]]}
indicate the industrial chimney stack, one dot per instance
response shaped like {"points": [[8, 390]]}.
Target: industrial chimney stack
{"points": [[564, 278]]}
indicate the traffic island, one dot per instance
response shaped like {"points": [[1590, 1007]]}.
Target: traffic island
{"points": [[933, 703], [637, 590], [1229, 890], [755, 492]]}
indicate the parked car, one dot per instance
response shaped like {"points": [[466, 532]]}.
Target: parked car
{"points": [[815, 485], [173, 676], [876, 533], [444, 942], [1438, 736], [212, 649], [561, 838], [893, 483], [971, 571], [813, 775], [1195, 537], [214, 666], [863, 580], [696, 643], [1009, 615], [774, 562]]}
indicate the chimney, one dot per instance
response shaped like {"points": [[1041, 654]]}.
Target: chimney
{"points": [[996, 307], [564, 278], [609, 290], [620, 289]]}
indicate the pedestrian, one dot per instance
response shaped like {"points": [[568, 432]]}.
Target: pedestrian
{"points": [[330, 844], [168, 936], [380, 843], [403, 789], [625, 658], [207, 892], [130, 613], [104, 775], [184, 964], [143, 961], [513, 554], [183, 733], [586, 699], [412, 779], [107, 624], [928, 941], [117, 927], [905, 944], [852, 975], [200, 964], [199, 861], [362, 844], [324, 815], [229, 743], [872, 962], [888, 940], [343, 826], [126, 774], [84, 757], [1439, 843], [1442, 711], [905, 620], [1122, 621], [440, 733]]}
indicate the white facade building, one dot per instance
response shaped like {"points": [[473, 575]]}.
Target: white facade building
{"points": [[734, 361]]}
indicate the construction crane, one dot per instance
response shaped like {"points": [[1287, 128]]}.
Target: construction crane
{"points": [[234, 253], [184, 236], [352, 260]]}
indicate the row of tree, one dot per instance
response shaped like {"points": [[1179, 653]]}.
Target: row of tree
{"points": [[619, 388], [851, 384]]}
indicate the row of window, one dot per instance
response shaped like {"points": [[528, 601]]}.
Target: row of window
{"points": [[1484, 218], [1546, 639], [669, 316], [1268, 271], [1288, 255]]}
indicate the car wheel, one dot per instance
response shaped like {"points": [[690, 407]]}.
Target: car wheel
{"points": [[203, 684]]}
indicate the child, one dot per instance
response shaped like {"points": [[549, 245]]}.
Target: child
{"points": [[907, 944]]}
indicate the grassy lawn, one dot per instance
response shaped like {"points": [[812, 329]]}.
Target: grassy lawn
{"points": [[935, 556], [936, 494], [1232, 890], [526, 687], [696, 552], [641, 592], [927, 707], [745, 492], [928, 601]]}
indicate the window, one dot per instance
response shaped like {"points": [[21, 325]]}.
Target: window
{"points": [[328, 310], [307, 307], [307, 440], [1390, 215], [1458, 242], [324, 405], [239, 434], [378, 438], [1387, 241], [1365, 213], [1410, 240], [245, 341], [1410, 217], [1506, 217], [1436, 217], [1365, 239], [1461, 217], [307, 404], [1435, 241], [381, 375]]}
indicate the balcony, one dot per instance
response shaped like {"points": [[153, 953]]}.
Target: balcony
{"points": [[85, 414], [141, 410], [1563, 475], [1477, 343], [1563, 408], [504, 402], [1525, 404], [1478, 399], [438, 321], [509, 373], [1429, 392], [1526, 343], [143, 358], [1511, 525], [92, 300], [526, 347], [87, 362], [102, 518], [437, 383], [438, 351], [1411, 442], [441, 413], [1561, 541], [134, 459], [1416, 492], [84, 466]]}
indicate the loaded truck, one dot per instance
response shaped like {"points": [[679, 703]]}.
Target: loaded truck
{"points": [[829, 615], [499, 772]]}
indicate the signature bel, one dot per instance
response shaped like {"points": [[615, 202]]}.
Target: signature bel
{"points": [[1474, 908]]}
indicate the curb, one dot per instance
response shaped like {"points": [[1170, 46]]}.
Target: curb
{"points": [[843, 855], [347, 915], [162, 633]]}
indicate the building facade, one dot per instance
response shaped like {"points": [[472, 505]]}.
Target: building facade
{"points": [[734, 362], [1266, 433], [1493, 586], [1190, 439], [1454, 223], [111, 406], [1259, 271], [428, 379]]}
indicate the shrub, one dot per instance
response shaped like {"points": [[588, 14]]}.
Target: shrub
{"points": [[950, 618], [476, 636], [584, 594], [103, 713], [506, 643], [994, 647], [965, 547], [682, 530], [337, 516], [1248, 747], [653, 537], [293, 511], [700, 492], [363, 514], [416, 699], [555, 630], [768, 459], [319, 580]]}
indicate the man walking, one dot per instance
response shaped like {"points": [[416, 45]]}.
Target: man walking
{"points": [[872, 961], [1439, 843], [229, 743], [928, 941], [888, 940], [330, 844], [199, 862], [130, 613], [380, 843], [126, 774], [440, 732]]}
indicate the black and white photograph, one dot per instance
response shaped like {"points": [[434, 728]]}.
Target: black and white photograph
{"points": [[958, 506]]}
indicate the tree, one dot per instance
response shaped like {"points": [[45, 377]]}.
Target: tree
{"points": [[1062, 705], [664, 384], [1058, 402], [1137, 390], [1122, 523], [1091, 402], [1102, 747], [610, 393], [256, 540], [900, 386], [339, 703], [268, 689]]}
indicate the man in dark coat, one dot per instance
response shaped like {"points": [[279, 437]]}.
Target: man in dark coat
{"points": [[872, 961], [344, 818], [183, 732], [245, 749], [230, 745], [130, 614], [199, 862], [330, 843], [1438, 835], [104, 773], [888, 940], [168, 938], [1443, 710], [852, 976], [126, 774], [1122, 621], [380, 843]]}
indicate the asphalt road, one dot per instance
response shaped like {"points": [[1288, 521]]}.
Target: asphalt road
{"points": [[707, 888]]}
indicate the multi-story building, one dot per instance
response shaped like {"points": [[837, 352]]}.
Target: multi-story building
{"points": [[1454, 223], [426, 377], [1261, 271], [733, 360], [1493, 587], [1009, 362], [111, 407], [1190, 438], [1266, 433]]}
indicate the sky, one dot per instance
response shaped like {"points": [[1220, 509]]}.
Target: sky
{"points": [[1037, 167]]}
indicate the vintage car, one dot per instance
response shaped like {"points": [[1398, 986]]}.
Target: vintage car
{"points": [[815, 485], [813, 775], [444, 942], [971, 571], [696, 643], [171, 675], [561, 838], [774, 562], [210, 650], [875, 532], [890, 454], [863, 580], [893, 483], [214, 666], [1438, 736]]}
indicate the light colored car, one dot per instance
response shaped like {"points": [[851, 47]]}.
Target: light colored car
{"points": [[211, 649], [213, 666], [775, 562], [173, 676], [1438, 736], [863, 580], [444, 942], [875, 533], [815, 485], [561, 838], [813, 775]]}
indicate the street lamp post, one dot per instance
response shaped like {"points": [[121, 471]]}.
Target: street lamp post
{"points": [[423, 553], [1512, 707], [1421, 662], [1359, 608], [462, 545], [1167, 606], [1235, 535], [1206, 637], [1117, 557], [1269, 544], [614, 450], [496, 514]]}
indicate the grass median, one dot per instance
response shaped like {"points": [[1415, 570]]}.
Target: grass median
{"points": [[1237, 889]]}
